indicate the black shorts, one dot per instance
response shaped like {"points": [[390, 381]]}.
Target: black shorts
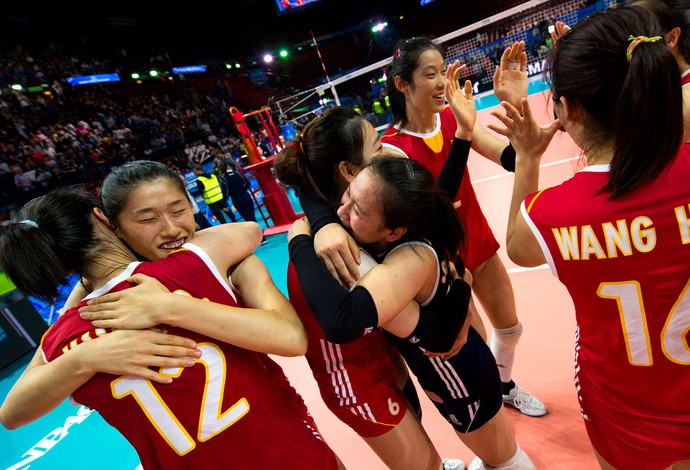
{"points": [[468, 383]]}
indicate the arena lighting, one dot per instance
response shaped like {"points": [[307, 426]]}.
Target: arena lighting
{"points": [[237, 65], [93, 79], [268, 58], [228, 66], [378, 27], [283, 53], [17, 87], [135, 76], [153, 73], [187, 69]]}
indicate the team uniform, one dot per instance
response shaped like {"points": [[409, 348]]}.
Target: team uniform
{"points": [[431, 151], [234, 409], [626, 264], [468, 383], [356, 379], [685, 78]]}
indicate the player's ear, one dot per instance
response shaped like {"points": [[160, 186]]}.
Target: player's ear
{"points": [[401, 85], [395, 234], [347, 171], [102, 218]]}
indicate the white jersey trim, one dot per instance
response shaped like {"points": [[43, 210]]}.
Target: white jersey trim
{"points": [[438, 267], [436, 130], [603, 168], [540, 239], [132, 266], [397, 127], [393, 147], [683, 76], [114, 281], [223, 280]]}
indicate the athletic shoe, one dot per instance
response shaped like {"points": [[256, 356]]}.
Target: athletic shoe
{"points": [[477, 464], [453, 464], [519, 460], [524, 402]]}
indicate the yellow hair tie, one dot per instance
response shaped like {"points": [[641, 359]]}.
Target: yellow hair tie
{"points": [[637, 40]]}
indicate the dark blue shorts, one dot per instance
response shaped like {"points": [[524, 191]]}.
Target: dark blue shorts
{"points": [[468, 383]]}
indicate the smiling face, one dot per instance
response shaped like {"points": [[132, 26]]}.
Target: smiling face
{"points": [[361, 212], [156, 219], [426, 93]]}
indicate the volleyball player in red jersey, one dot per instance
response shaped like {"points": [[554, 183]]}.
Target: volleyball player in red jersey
{"points": [[422, 128], [342, 143], [617, 234], [243, 396], [361, 381]]}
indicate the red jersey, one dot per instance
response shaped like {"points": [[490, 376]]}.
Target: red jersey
{"points": [[685, 78], [234, 409], [356, 379], [431, 151], [626, 264]]}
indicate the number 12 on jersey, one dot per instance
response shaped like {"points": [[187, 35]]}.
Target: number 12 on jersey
{"points": [[212, 421]]}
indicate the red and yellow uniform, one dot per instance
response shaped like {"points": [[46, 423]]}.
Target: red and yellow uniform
{"points": [[234, 409], [431, 151], [626, 264]]}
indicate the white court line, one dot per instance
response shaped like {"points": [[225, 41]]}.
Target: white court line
{"points": [[503, 175]]}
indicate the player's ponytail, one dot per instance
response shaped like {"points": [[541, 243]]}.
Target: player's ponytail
{"points": [[48, 239], [627, 93], [311, 161]]}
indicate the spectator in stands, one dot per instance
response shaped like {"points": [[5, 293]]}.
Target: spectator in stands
{"points": [[21, 180]]}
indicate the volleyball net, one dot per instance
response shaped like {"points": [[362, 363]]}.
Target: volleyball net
{"points": [[479, 45]]}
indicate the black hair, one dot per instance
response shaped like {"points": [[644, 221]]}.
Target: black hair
{"points": [[405, 60], [670, 14], [123, 180], [50, 237], [410, 198], [310, 161], [636, 106]]}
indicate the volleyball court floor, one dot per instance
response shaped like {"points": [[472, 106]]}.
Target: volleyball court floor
{"points": [[73, 437]]}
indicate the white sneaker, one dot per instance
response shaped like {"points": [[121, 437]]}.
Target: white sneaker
{"points": [[477, 464], [453, 464], [524, 403], [520, 461]]}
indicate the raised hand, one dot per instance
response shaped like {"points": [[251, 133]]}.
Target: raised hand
{"points": [[526, 135], [559, 31], [460, 100], [510, 78]]}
